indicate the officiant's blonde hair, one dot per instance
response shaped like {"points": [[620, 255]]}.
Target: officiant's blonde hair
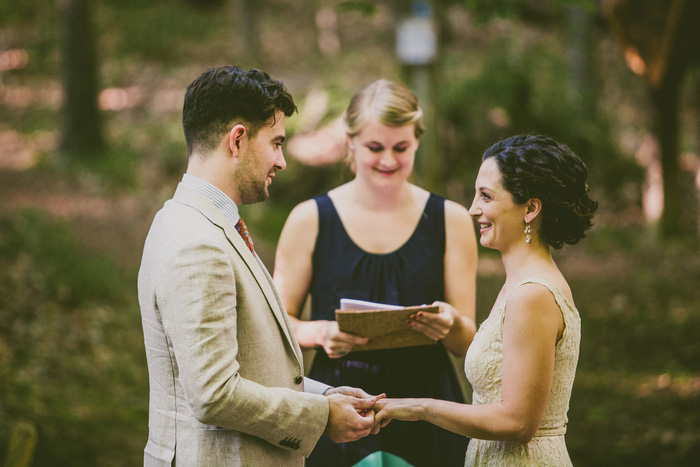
{"points": [[386, 102]]}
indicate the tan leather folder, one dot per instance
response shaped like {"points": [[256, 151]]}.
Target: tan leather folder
{"points": [[386, 328]]}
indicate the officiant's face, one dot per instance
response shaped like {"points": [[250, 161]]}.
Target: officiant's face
{"points": [[501, 221], [383, 155]]}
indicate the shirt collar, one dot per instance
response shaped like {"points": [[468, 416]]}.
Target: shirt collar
{"points": [[215, 195]]}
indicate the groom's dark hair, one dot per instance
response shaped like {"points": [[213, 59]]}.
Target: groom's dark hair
{"points": [[222, 97]]}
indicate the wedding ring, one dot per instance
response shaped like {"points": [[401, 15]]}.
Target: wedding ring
{"points": [[342, 352]]}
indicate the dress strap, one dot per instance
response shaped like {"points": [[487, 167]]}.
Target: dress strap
{"points": [[567, 309], [559, 296]]}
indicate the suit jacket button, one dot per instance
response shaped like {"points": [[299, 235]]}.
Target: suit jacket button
{"points": [[299, 379]]}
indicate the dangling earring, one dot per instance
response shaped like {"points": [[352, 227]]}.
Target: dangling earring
{"points": [[528, 231]]}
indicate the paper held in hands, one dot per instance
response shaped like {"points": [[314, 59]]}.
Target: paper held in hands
{"points": [[384, 324]]}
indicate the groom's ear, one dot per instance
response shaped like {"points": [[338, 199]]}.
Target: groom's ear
{"points": [[534, 207], [235, 137]]}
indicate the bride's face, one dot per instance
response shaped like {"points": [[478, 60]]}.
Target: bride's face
{"points": [[501, 221]]}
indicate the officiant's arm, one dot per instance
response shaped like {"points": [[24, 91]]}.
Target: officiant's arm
{"points": [[292, 276]]}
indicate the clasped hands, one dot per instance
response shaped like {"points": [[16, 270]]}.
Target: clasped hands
{"points": [[354, 414], [435, 326]]}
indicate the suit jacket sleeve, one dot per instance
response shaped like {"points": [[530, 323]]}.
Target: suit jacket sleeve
{"points": [[198, 301]]}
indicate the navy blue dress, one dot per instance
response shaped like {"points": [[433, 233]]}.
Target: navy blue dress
{"points": [[411, 275]]}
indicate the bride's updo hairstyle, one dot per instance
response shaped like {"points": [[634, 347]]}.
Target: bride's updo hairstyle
{"points": [[539, 167]]}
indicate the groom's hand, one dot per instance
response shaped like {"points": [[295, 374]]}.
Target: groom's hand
{"points": [[354, 392], [350, 418]]}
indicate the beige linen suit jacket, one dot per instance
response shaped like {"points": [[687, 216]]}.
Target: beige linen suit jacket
{"points": [[225, 371]]}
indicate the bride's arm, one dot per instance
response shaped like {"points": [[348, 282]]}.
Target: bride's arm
{"points": [[532, 325]]}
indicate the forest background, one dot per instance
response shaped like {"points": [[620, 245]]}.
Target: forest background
{"points": [[73, 377]]}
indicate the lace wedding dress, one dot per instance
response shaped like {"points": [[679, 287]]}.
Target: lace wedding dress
{"points": [[484, 366]]}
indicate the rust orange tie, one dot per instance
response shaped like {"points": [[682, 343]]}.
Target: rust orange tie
{"points": [[243, 230]]}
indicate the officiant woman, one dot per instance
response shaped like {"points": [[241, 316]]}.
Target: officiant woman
{"points": [[382, 238]]}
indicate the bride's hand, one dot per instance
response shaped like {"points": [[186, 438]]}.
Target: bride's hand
{"points": [[434, 325], [397, 409]]}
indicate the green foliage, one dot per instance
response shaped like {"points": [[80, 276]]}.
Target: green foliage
{"points": [[162, 32], [33, 25], [523, 89], [117, 167], [639, 354], [71, 353], [21, 446], [57, 268], [503, 8], [24, 11], [366, 7], [487, 9], [114, 168]]}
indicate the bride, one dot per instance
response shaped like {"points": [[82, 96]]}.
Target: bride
{"points": [[531, 196]]}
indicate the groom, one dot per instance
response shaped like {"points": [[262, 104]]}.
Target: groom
{"points": [[225, 371]]}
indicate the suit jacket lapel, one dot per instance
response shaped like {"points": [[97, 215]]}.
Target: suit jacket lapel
{"points": [[186, 195]]}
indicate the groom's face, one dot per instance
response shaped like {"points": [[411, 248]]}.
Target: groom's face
{"points": [[260, 160]]}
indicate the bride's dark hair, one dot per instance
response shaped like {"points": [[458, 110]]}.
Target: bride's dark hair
{"points": [[534, 166]]}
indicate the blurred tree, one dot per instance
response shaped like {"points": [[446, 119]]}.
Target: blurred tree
{"points": [[660, 41], [248, 21], [206, 3], [579, 51], [82, 130], [20, 450]]}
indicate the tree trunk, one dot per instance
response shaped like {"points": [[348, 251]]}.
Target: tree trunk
{"points": [[663, 35], [579, 51], [679, 219], [82, 130], [666, 122], [251, 36]]}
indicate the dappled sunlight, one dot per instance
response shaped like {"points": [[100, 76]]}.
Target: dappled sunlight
{"points": [[49, 96], [635, 62], [167, 100], [647, 155], [328, 38], [681, 386], [319, 147], [642, 385], [120, 98], [13, 59], [690, 162], [67, 205], [20, 152], [653, 186], [499, 117]]}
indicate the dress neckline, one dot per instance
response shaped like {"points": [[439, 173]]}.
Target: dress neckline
{"points": [[389, 253]]}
